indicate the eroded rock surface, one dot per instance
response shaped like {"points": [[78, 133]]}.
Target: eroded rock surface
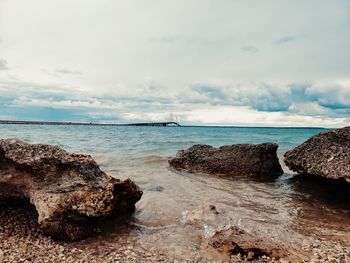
{"points": [[233, 241], [69, 191], [326, 154], [232, 160]]}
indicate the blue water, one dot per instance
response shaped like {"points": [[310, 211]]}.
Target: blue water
{"points": [[175, 204], [137, 142], [121, 144]]}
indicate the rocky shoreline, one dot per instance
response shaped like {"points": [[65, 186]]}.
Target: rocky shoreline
{"points": [[22, 241], [46, 191]]}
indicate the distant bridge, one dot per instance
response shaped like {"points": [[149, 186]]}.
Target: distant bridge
{"points": [[161, 124], [169, 123]]}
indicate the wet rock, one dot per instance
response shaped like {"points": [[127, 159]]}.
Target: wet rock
{"points": [[69, 191], [233, 241], [326, 154], [2, 255], [250, 255], [213, 209], [231, 160]]}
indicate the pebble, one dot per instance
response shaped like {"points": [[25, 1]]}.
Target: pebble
{"points": [[22, 241], [250, 255], [2, 256]]}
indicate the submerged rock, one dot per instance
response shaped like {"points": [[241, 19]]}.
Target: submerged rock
{"points": [[231, 160], [69, 191], [326, 154]]}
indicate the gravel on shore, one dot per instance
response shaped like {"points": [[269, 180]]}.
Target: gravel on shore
{"points": [[22, 241]]}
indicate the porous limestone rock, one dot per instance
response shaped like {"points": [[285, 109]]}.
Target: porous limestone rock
{"points": [[230, 160], [326, 154], [234, 241], [69, 191]]}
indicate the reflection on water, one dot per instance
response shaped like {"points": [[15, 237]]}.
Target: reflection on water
{"points": [[174, 213], [324, 205]]}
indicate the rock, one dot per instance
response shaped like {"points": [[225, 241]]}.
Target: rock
{"points": [[232, 241], [69, 191], [326, 154], [213, 209], [250, 255], [230, 160], [1, 256]]}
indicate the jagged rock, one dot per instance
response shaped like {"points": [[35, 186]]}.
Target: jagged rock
{"points": [[326, 154], [69, 191], [230, 160], [233, 241]]}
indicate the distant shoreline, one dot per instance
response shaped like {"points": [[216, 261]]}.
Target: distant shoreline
{"points": [[169, 123], [150, 124]]}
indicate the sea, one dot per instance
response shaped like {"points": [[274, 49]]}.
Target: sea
{"points": [[173, 214]]}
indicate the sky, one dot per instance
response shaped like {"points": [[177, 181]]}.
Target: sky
{"points": [[217, 62]]}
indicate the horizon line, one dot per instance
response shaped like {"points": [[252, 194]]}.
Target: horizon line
{"points": [[145, 123]]}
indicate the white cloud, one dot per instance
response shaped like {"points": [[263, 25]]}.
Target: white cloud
{"points": [[285, 39], [67, 71], [250, 49], [263, 61], [67, 104], [333, 95], [238, 115], [3, 64], [277, 104]]}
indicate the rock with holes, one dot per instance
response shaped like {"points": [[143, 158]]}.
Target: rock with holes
{"points": [[230, 160], [234, 241], [326, 154], [69, 191]]}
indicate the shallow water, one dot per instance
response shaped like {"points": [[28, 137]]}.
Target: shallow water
{"points": [[173, 214]]}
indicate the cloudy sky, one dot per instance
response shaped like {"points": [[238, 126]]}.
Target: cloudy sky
{"points": [[225, 62]]}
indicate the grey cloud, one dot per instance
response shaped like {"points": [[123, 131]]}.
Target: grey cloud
{"points": [[329, 100], [333, 96], [285, 39], [3, 64], [276, 98], [306, 99], [20, 87], [67, 71], [200, 41], [261, 97], [58, 95], [211, 92], [250, 49], [164, 39]]}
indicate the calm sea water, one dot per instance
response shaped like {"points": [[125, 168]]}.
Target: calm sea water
{"points": [[145, 142], [173, 212]]}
